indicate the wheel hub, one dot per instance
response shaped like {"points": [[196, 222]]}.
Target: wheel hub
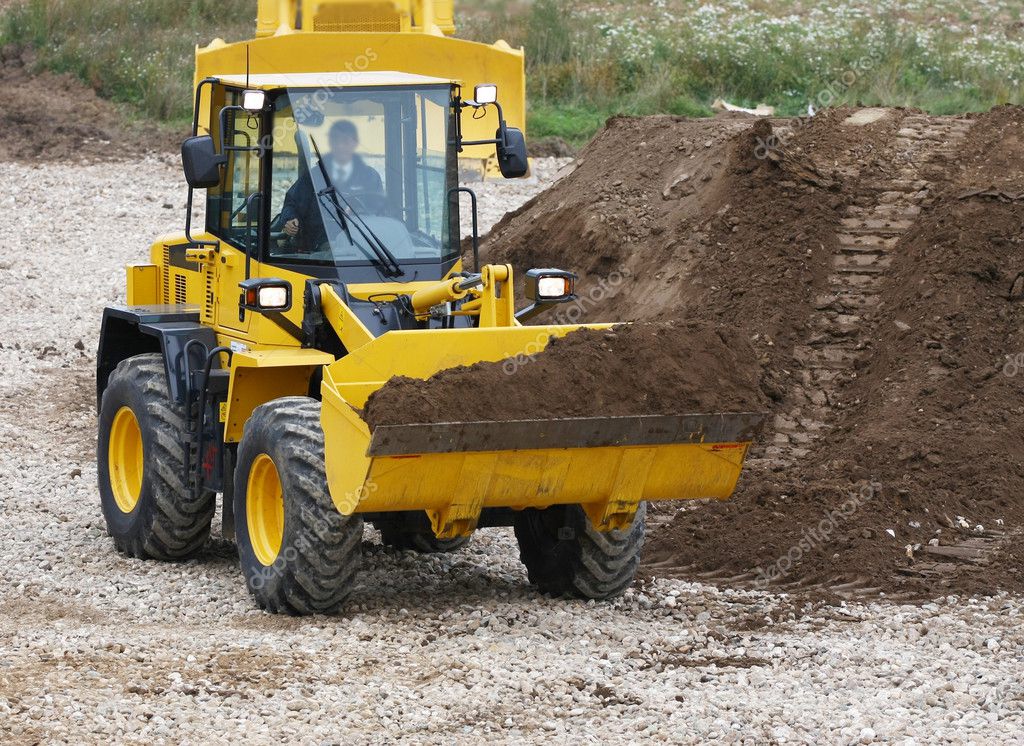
{"points": [[125, 458], [264, 507]]}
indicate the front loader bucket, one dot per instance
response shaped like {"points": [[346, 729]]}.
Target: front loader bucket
{"points": [[454, 470]]}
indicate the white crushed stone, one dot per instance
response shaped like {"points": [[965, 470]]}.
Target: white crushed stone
{"points": [[96, 647], [498, 196]]}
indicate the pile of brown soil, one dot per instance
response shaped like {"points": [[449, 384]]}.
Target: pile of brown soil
{"points": [[640, 369], [727, 220], [623, 213], [930, 445], [896, 408], [48, 117]]}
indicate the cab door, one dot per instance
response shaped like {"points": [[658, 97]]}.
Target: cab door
{"points": [[234, 214]]}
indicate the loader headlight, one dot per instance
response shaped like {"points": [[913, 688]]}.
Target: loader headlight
{"points": [[266, 294], [273, 297], [253, 100], [485, 93], [550, 285]]}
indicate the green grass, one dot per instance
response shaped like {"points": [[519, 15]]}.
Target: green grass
{"points": [[574, 124], [589, 60]]}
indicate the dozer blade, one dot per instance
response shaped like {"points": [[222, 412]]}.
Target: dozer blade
{"points": [[454, 470]]}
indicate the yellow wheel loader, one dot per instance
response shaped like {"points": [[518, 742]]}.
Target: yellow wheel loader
{"points": [[329, 262]]}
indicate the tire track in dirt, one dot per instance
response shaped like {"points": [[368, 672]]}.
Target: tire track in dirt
{"points": [[882, 213]]}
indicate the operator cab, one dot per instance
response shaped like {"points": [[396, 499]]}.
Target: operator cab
{"points": [[350, 176]]}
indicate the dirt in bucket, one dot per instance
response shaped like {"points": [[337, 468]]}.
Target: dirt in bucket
{"points": [[639, 369]]}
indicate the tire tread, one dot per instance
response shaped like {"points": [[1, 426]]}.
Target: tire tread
{"points": [[321, 573], [174, 524], [591, 564]]}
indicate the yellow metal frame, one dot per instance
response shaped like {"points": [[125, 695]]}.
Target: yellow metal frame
{"points": [[350, 330], [259, 376], [143, 284], [428, 16]]}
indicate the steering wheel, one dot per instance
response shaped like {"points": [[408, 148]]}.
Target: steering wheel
{"points": [[277, 235], [369, 203], [430, 240]]}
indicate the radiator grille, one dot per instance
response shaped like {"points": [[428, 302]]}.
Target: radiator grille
{"points": [[165, 276], [180, 287], [208, 306], [336, 20]]}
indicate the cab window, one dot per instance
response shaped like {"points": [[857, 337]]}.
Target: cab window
{"points": [[353, 166]]}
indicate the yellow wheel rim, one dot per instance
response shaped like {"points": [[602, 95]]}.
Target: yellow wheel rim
{"points": [[264, 510], [124, 456]]}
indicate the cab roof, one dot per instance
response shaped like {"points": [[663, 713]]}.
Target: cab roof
{"points": [[341, 79]]}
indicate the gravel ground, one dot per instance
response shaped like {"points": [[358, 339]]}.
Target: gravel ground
{"points": [[94, 646], [496, 197]]}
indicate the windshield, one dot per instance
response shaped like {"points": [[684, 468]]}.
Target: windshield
{"points": [[359, 168]]}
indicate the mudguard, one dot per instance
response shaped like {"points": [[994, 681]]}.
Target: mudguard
{"points": [[135, 330]]}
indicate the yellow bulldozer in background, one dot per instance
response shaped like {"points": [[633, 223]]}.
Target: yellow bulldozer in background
{"points": [[330, 262]]}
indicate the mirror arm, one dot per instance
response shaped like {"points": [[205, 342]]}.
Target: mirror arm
{"points": [[494, 141], [199, 96], [192, 242], [502, 125]]}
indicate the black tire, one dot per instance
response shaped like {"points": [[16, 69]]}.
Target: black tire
{"points": [[167, 522], [565, 555], [398, 535], [319, 556]]}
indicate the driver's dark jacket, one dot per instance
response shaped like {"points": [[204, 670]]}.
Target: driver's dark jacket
{"points": [[302, 202]]}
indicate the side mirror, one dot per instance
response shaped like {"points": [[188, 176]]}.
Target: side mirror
{"points": [[201, 163], [512, 159]]}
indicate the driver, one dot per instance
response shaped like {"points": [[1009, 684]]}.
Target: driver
{"points": [[349, 174]]}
